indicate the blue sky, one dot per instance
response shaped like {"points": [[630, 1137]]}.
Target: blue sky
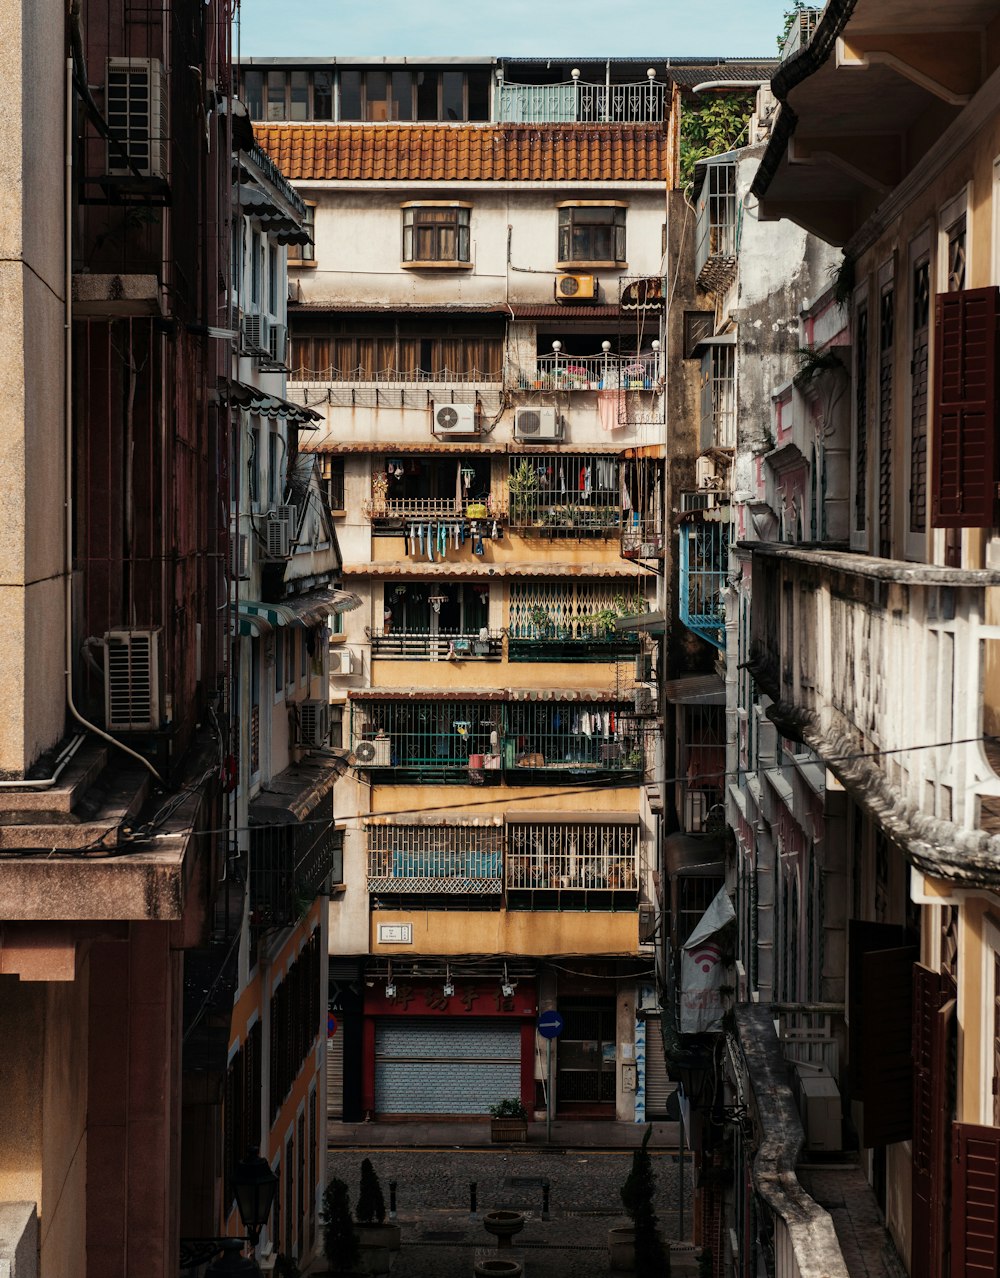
{"points": [[428, 28]]}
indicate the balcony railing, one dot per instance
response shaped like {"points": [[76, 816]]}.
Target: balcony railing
{"points": [[433, 860], [403, 646], [367, 375], [704, 566], [574, 642], [490, 740], [576, 102], [593, 373], [565, 495], [801, 31], [569, 621], [571, 863], [844, 644], [717, 225], [290, 863], [394, 508], [642, 537]]}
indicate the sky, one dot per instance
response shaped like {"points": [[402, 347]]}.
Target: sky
{"points": [[448, 28]]}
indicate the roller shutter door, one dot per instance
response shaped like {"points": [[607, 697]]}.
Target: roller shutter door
{"points": [[423, 1066], [658, 1085], [335, 1074]]}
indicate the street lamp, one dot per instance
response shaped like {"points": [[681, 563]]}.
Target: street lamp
{"points": [[232, 1263], [254, 1185]]}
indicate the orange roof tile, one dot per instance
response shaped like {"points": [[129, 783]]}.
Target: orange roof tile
{"points": [[470, 153]]}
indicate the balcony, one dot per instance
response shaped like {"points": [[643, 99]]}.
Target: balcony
{"points": [[561, 372], [801, 32], [878, 666], [569, 621], [567, 495], [717, 226], [398, 645], [435, 860], [500, 738], [291, 856], [642, 518], [564, 865], [704, 567], [578, 102]]}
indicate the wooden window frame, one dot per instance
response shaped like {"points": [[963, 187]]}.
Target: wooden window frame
{"points": [[916, 540], [617, 211], [304, 255], [861, 400], [459, 225]]}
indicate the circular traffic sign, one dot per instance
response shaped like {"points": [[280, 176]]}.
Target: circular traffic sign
{"points": [[331, 1026], [550, 1024]]}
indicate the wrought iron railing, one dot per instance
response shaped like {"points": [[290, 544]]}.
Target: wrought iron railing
{"points": [[716, 237], [704, 566], [565, 493], [642, 537], [363, 375], [289, 864], [576, 102], [380, 508], [592, 373], [572, 740], [435, 859], [443, 646]]}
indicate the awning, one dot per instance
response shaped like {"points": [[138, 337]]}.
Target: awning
{"points": [[248, 621], [582, 695], [294, 793], [431, 572], [703, 855], [653, 452], [571, 818], [651, 623], [300, 610], [696, 690], [434, 819], [279, 226], [426, 694], [255, 400], [448, 447]]}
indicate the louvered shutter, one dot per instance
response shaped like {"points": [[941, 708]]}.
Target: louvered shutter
{"points": [[975, 1190], [930, 989], [964, 471], [887, 1067], [943, 1053], [862, 937]]}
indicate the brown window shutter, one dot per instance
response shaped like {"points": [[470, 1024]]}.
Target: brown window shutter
{"points": [[887, 1066], [964, 470], [862, 937], [975, 1193], [933, 1009]]}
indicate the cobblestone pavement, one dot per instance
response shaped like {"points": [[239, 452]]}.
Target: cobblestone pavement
{"points": [[440, 1240]]}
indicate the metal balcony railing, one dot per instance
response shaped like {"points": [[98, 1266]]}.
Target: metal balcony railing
{"points": [[556, 856], [572, 740], [569, 621], [443, 646], [576, 102], [592, 373], [717, 225], [429, 860], [642, 537], [801, 31], [393, 508], [704, 566], [361, 375], [883, 662], [565, 494], [290, 863]]}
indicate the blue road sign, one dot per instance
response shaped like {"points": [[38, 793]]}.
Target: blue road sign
{"points": [[550, 1025]]}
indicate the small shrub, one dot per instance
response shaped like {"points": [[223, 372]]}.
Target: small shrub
{"points": [[509, 1107], [340, 1242], [371, 1202], [651, 1256]]}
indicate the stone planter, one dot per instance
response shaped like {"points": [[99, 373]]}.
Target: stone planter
{"points": [[503, 1225], [375, 1259], [507, 1131], [499, 1268], [621, 1247], [387, 1234]]}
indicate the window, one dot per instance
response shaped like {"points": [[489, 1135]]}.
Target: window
{"points": [[591, 233], [861, 419], [306, 252], [253, 93], [273, 468], [276, 107], [332, 481], [256, 262], [920, 310], [886, 356], [697, 326], [322, 95], [336, 727], [279, 665], [273, 278], [436, 233], [254, 463]]}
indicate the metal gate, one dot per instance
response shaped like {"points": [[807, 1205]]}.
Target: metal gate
{"points": [[335, 1073], [425, 1066], [658, 1086], [586, 1055]]}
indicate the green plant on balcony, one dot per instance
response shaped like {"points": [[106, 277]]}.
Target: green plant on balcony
{"points": [[523, 485], [540, 620]]}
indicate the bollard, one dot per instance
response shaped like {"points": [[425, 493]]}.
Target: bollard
{"points": [[472, 1198], [392, 1200], [545, 1200]]}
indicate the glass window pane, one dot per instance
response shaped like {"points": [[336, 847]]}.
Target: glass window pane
{"points": [[452, 95], [322, 95], [275, 95], [253, 93], [427, 95], [350, 95], [299, 109], [479, 95], [402, 95], [376, 95]]}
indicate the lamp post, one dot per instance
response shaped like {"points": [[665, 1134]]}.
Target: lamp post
{"points": [[254, 1186]]}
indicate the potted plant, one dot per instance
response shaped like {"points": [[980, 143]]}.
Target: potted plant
{"points": [[523, 486], [340, 1241], [639, 1246], [373, 1231], [509, 1121]]}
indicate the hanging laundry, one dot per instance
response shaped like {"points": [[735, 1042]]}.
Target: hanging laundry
{"points": [[430, 542], [562, 477]]}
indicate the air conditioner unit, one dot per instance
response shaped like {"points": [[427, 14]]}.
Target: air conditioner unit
{"points": [[537, 425], [239, 544], [314, 722], [819, 1106], [132, 680], [644, 701], [576, 288], [290, 514], [277, 344], [343, 662], [455, 419], [135, 103], [256, 334], [277, 538], [374, 754]]}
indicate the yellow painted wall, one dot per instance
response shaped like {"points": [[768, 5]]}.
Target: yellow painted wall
{"points": [[445, 932], [975, 1025], [511, 550], [598, 676], [575, 801]]}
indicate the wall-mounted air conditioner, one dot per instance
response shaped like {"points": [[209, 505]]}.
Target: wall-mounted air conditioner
{"points": [[537, 425], [819, 1106], [576, 288], [132, 680], [277, 537], [343, 661], [277, 344], [256, 334], [135, 104], [290, 514], [313, 723], [455, 419], [239, 545]]}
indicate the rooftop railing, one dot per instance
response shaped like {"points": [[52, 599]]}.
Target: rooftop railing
{"points": [[592, 373], [580, 102], [443, 646]]}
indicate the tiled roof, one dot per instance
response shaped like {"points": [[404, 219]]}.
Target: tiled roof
{"points": [[468, 152], [753, 72]]}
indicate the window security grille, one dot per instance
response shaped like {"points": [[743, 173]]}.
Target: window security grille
{"points": [[136, 105]]}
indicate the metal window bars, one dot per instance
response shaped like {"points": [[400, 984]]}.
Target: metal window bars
{"points": [[716, 229], [442, 645], [704, 548], [546, 855], [564, 493], [592, 372], [571, 619], [431, 859], [580, 102], [573, 740]]}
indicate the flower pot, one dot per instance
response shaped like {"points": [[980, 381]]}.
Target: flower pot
{"points": [[503, 1225], [500, 1267], [621, 1246], [509, 1130], [387, 1234]]}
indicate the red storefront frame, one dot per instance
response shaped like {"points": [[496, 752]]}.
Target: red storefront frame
{"points": [[471, 998]]}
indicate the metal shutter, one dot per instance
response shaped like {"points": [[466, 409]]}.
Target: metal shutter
{"points": [[335, 1074], [658, 1085], [426, 1066]]}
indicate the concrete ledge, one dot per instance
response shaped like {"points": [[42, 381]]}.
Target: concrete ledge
{"points": [[101, 296], [18, 1240]]}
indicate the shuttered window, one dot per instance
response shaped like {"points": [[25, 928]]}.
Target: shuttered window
{"points": [[920, 337], [886, 396], [975, 1244], [965, 408], [933, 1035], [861, 421]]}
